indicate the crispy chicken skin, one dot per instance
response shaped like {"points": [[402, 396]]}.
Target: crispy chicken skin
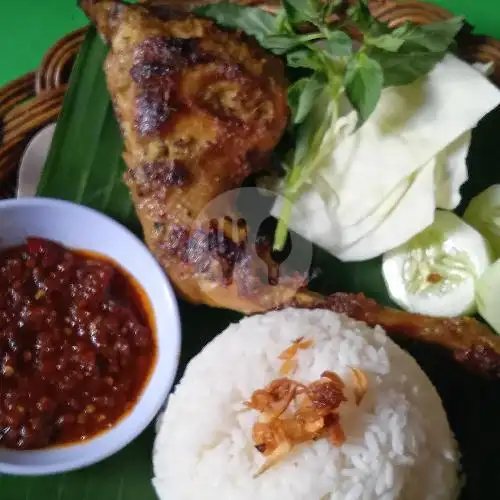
{"points": [[200, 109]]}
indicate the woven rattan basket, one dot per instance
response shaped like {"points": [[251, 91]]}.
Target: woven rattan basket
{"points": [[35, 99]]}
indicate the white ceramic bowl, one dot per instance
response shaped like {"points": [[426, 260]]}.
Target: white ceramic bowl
{"points": [[82, 228]]}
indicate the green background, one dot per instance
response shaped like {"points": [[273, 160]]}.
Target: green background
{"points": [[29, 27]]}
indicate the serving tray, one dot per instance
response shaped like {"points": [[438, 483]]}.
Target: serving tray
{"points": [[31, 102]]}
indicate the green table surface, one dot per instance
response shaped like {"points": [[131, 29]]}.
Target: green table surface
{"points": [[29, 27]]}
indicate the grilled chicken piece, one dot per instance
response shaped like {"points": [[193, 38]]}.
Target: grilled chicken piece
{"points": [[471, 343], [200, 109]]}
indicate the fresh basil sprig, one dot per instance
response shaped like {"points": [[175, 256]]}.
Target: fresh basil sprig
{"points": [[364, 80], [253, 21], [386, 57]]}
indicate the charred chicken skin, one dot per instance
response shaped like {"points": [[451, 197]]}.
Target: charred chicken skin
{"points": [[200, 109]]}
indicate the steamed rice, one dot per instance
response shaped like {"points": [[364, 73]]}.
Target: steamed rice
{"points": [[399, 443]]}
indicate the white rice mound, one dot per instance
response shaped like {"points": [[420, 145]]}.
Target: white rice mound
{"points": [[399, 443]]}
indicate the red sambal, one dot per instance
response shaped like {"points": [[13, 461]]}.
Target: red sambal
{"points": [[76, 344]]}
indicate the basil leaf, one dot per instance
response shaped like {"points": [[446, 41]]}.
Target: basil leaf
{"points": [[360, 15], [282, 23], [294, 92], [364, 80], [304, 58], [306, 137], [338, 44], [252, 20], [302, 11], [328, 8], [311, 141], [390, 43], [403, 69], [422, 48], [434, 37], [302, 95], [281, 44]]}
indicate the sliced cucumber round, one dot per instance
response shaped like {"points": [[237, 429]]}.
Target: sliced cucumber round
{"points": [[435, 272], [487, 294], [483, 213]]}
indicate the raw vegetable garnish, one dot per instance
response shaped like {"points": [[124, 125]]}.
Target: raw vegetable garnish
{"points": [[487, 292], [435, 272], [483, 213], [429, 266], [312, 37]]}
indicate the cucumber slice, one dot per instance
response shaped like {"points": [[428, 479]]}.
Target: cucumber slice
{"points": [[435, 272], [487, 294], [483, 213]]}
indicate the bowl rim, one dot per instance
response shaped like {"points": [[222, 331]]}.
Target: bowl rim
{"points": [[175, 331]]}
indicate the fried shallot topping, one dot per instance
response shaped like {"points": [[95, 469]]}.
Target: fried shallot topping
{"points": [[293, 413], [290, 364], [297, 344], [360, 384], [288, 367]]}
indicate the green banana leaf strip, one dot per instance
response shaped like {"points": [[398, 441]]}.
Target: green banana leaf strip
{"points": [[84, 164]]}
